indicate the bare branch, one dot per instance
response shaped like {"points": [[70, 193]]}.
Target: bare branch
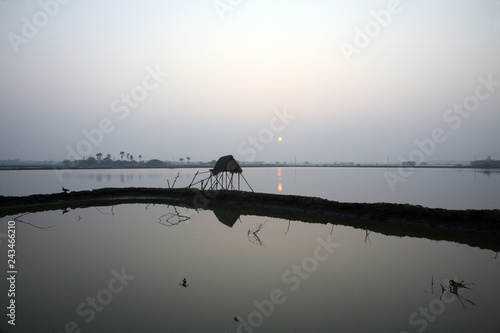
{"points": [[17, 219]]}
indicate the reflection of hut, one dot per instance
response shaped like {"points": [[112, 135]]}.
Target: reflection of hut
{"points": [[222, 175], [229, 218]]}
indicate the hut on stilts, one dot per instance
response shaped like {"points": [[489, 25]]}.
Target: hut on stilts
{"points": [[222, 176]]}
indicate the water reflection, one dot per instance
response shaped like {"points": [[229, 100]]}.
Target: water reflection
{"points": [[440, 188], [253, 236], [226, 217], [454, 288], [280, 185], [168, 249], [172, 218]]}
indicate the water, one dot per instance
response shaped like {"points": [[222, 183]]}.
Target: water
{"points": [[443, 188], [121, 269]]}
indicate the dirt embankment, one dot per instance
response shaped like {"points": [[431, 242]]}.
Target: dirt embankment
{"points": [[467, 226]]}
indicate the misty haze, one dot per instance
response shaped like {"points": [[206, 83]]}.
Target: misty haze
{"points": [[250, 166]]}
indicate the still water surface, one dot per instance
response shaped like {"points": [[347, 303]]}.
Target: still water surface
{"points": [[121, 269], [444, 188]]}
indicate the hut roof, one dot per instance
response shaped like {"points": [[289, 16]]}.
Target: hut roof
{"points": [[226, 163]]}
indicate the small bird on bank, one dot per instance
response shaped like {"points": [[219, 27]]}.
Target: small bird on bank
{"points": [[236, 319], [65, 190]]}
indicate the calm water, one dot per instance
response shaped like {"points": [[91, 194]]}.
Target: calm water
{"points": [[121, 269], [445, 188]]}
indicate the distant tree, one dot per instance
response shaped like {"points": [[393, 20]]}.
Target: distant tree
{"points": [[128, 156], [181, 160], [89, 162], [99, 156], [140, 156], [131, 158], [188, 159], [107, 160], [155, 162], [122, 153]]}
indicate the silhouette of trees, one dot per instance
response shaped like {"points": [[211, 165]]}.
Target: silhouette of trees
{"points": [[127, 160]]}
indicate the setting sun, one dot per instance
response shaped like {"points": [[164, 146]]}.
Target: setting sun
{"points": [[280, 139]]}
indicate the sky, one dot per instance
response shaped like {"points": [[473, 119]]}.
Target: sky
{"points": [[338, 81]]}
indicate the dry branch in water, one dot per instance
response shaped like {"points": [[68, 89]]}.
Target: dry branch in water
{"points": [[253, 237], [168, 221]]}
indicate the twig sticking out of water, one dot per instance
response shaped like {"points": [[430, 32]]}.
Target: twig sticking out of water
{"points": [[173, 184], [101, 211], [253, 237], [443, 289], [367, 236], [288, 228], [454, 288]]}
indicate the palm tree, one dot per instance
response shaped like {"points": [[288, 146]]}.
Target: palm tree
{"points": [[131, 158], [128, 156], [140, 156], [188, 159], [181, 160], [122, 153], [99, 156]]}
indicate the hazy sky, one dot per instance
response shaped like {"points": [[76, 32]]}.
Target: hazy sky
{"points": [[337, 80]]}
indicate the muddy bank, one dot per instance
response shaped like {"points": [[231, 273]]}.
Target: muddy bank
{"points": [[474, 227]]}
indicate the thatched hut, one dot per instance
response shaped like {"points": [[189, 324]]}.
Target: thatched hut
{"points": [[221, 176], [226, 164]]}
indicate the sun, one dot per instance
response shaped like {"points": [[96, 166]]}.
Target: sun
{"points": [[280, 139]]}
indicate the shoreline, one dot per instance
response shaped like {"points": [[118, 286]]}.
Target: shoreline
{"points": [[480, 228], [201, 166]]}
